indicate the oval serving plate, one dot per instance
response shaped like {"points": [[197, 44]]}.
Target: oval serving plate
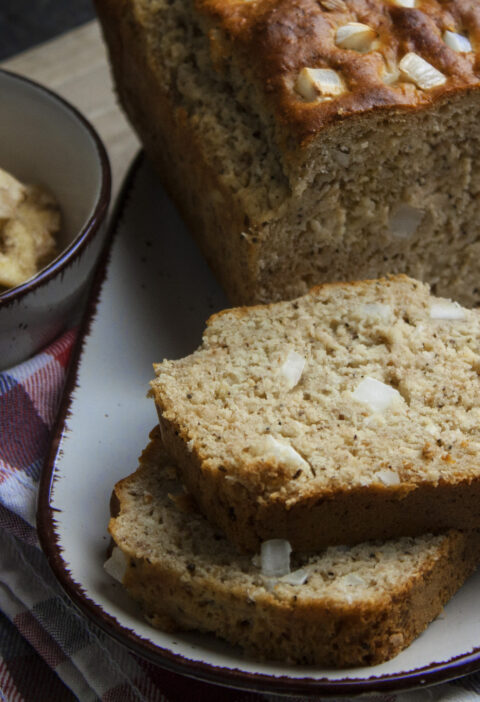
{"points": [[152, 294]]}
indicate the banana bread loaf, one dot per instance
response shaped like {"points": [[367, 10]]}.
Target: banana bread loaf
{"points": [[311, 140], [349, 414], [341, 607]]}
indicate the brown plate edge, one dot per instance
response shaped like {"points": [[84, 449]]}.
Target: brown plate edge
{"points": [[230, 677]]}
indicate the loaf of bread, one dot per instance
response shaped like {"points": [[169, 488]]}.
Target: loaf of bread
{"points": [[342, 607], [311, 140], [349, 414]]}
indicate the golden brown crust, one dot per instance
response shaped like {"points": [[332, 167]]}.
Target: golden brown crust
{"points": [[275, 39]]}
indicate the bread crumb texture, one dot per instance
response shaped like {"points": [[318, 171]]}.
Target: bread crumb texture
{"points": [[358, 605], [230, 397], [387, 400]]}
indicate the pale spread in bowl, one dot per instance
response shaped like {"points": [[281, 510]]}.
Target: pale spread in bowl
{"points": [[29, 222]]}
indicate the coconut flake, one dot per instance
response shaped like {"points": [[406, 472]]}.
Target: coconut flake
{"points": [[352, 580], [376, 310], [355, 35], [388, 477], [315, 83], [292, 368], [377, 395], [421, 72], [405, 221], [116, 565], [457, 42], [447, 310], [405, 3], [285, 453], [296, 577], [338, 5], [275, 557]]}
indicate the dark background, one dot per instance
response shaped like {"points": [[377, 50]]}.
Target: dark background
{"points": [[26, 23]]}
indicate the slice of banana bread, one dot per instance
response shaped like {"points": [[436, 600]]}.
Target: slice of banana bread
{"points": [[341, 607], [349, 414], [307, 141]]}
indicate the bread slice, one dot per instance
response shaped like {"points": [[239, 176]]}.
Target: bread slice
{"points": [[286, 182], [357, 606], [349, 414]]}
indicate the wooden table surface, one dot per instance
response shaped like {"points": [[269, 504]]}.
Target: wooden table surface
{"points": [[75, 66]]}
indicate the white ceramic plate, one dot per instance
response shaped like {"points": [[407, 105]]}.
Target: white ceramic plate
{"points": [[150, 301]]}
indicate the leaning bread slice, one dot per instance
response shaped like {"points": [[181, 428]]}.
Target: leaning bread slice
{"points": [[349, 414], [343, 607]]}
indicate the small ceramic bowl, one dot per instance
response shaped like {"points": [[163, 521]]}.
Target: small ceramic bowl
{"points": [[45, 141]]}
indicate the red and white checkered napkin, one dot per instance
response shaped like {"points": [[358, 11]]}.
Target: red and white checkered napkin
{"points": [[48, 650]]}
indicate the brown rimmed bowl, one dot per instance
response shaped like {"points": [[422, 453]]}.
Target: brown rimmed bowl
{"points": [[46, 141]]}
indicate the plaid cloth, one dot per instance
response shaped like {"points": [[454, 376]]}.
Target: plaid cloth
{"points": [[48, 650]]}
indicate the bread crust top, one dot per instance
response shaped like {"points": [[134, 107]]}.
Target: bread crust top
{"points": [[276, 39]]}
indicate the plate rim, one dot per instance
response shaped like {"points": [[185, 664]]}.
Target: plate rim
{"points": [[403, 681]]}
